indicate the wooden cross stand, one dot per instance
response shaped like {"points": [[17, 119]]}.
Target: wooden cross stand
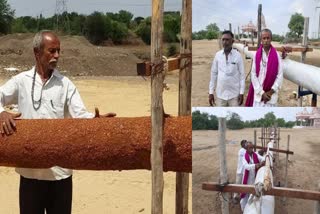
{"points": [[275, 150], [276, 191]]}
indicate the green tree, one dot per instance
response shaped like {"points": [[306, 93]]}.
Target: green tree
{"points": [[125, 17], [95, 28], [234, 121], [138, 20], [199, 121], [171, 25], [6, 17], [202, 34], [211, 35], [281, 122], [144, 30], [213, 27], [18, 26], [119, 31], [269, 119], [296, 25]]}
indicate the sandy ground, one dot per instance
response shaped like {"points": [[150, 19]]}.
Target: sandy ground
{"points": [[203, 54], [109, 191], [303, 171]]}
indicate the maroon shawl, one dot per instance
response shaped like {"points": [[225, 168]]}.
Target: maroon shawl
{"points": [[272, 72], [246, 172]]}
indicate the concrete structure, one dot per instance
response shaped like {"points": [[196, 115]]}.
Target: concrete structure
{"points": [[309, 119]]}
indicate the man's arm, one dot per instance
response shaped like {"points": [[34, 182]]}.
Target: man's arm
{"points": [[278, 82], [213, 80], [246, 165], [8, 95], [242, 79]]}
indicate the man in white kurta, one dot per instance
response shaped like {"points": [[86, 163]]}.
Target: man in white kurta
{"points": [[251, 167], [239, 175], [42, 93], [227, 75], [266, 76]]}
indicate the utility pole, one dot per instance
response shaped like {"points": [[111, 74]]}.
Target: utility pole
{"points": [[318, 25], [62, 19]]}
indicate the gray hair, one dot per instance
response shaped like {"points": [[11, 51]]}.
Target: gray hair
{"points": [[38, 39], [268, 31]]}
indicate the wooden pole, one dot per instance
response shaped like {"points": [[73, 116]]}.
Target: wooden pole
{"points": [[304, 43], [262, 136], [157, 115], [277, 130], [286, 173], [317, 204], [275, 150], [255, 140], [276, 191], [185, 80], [259, 24], [223, 164]]}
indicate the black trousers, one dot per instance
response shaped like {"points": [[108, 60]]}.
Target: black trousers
{"points": [[38, 196]]}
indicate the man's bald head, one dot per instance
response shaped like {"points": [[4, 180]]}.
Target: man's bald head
{"points": [[249, 147], [39, 38]]}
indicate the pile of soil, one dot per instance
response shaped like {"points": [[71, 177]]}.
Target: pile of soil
{"points": [[78, 57]]}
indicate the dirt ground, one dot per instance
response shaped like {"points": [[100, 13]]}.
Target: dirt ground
{"points": [[303, 170], [203, 54], [78, 57], [110, 191]]}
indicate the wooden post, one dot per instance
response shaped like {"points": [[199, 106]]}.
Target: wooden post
{"points": [[286, 172], [262, 135], [157, 115], [259, 24], [255, 139], [276, 191], [278, 142], [223, 163], [185, 79], [317, 204], [304, 43]]}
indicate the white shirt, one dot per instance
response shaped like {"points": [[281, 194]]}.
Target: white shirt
{"points": [[227, 76], [241, 153], [257, 82], [251, 167], [60, 99]]}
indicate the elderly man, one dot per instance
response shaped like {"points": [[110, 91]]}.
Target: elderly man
{"points": [[239, 176], [43, 92], [227, 75], [266, 74], [251, 163]]}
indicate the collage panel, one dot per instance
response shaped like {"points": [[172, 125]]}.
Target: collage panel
{"points": [[95, 106], [230, 66], [271, 153]]}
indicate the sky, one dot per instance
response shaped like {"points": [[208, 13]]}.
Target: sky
{"points": [[287, 113], [238, 12], [47, 8]]}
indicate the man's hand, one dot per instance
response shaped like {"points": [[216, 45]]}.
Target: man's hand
{"points": [[97, 115], [211, 100], [270, 93], [265, 97], [285, 50], [240, 99], [7, 123]]}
